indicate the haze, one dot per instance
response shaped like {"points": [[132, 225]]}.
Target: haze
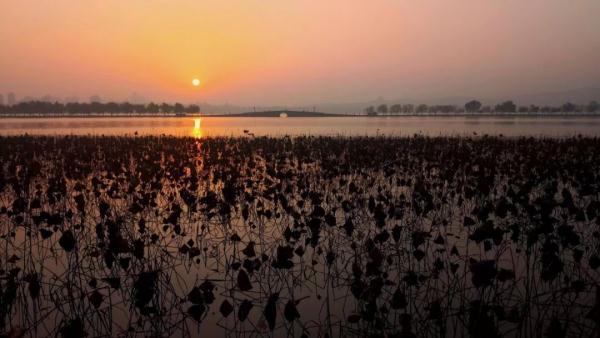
{"points": [[297, 52]]}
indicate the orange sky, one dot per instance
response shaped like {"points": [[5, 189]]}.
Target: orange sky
{"points": [[297, 52]]}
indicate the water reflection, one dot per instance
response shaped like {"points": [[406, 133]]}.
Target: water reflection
{"points": [[209, 126], [197, 131]]}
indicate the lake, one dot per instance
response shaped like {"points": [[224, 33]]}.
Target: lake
{"points": [[347, 126]]}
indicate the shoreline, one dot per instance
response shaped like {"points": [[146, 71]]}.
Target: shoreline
{"points": [[324, 115]]}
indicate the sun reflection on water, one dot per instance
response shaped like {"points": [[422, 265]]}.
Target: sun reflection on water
{"points": [[197, 131]]}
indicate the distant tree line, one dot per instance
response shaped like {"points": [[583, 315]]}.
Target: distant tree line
{"points": [[475, 106], [114, 108], [92, 108]]}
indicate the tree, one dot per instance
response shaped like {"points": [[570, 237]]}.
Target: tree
{"points": [[178, 108], [396, 108], [166, 108], [441, 108], [371, 111], [152, 108], [126, 108], [41, 107], [408, 109], [139, 108], [111, 107], [568, 107], [382, 109], [473, 106], [192, 109], [96, 107], [506, 107]]}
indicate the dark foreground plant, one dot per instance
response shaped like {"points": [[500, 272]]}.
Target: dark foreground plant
{"points": [[315, 236]]}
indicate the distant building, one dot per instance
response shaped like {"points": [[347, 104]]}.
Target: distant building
{"points": [[10, 99], [95, 98], [1, 100]]}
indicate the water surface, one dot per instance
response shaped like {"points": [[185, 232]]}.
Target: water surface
{"points": [[348, 126]]}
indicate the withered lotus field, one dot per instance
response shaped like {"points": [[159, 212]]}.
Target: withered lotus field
{"points": [[301, 236]]}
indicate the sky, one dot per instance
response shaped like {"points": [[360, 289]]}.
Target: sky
{"points": [[267, 52]]}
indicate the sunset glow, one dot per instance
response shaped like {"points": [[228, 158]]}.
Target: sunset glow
{"points": [[381, 168], [282, 52], [197, 131]]}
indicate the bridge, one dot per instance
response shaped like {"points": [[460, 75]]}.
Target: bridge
{"points": [[282, 113]]}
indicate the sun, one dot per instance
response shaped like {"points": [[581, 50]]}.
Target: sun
{"points": [[195, 82]]}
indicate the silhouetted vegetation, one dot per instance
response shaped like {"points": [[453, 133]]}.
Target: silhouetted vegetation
{"points": [[371, 111], [382, 109], [306, 236], [42, 108], [506, 107], [33, 108], [475, 106]]}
